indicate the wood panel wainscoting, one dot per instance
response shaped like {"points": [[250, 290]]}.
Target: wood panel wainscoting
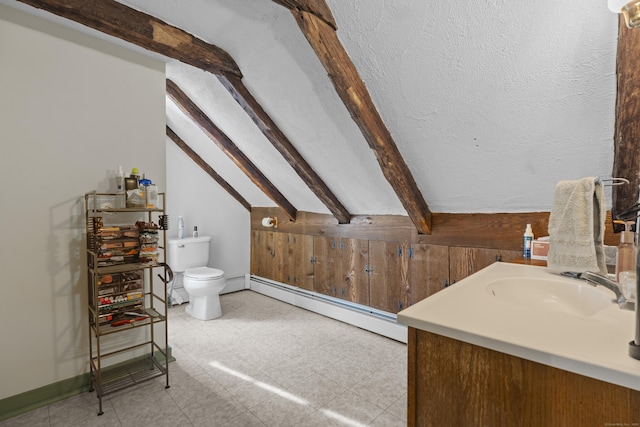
{"points": [[453, 383], [382, 261]]}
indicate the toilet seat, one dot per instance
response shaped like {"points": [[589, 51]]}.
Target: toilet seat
{"points": [[203, 273]]}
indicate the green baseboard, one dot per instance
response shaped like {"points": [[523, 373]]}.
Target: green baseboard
{"points": [[33, 399]]}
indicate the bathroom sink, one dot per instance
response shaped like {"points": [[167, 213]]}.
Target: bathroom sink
{"points": [[569, 296]]}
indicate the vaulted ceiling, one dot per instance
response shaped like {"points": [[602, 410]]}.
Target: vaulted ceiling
{"points": [[485, 104]]}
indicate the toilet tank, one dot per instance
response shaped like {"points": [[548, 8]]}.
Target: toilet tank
{"points": [[189, 252]]}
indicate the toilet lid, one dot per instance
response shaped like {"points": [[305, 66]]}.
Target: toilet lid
{"points": [[203, 273]]}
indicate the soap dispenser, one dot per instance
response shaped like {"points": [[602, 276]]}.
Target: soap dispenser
{"points": [[627, 251]]}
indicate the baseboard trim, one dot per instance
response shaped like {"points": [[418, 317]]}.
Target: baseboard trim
{"points": [[367, 318], [234, 284], [33, 399]]}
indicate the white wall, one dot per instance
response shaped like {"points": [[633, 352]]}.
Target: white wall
{"points": [[193, 194], [490, 102], [71, 109]]}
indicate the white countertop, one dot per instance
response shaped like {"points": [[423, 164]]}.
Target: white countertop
{"points": [[595, 346]]}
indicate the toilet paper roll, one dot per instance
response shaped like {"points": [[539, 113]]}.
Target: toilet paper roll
{"points": [[266, 222]]}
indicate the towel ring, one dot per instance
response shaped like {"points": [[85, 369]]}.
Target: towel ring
{"points": [[612, 181]]}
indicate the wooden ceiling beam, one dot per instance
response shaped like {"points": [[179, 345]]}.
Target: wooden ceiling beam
{"points": [[207, 168], [251, 106], [141, 29], [626, 137], [356, 98], [118, 20], [191, 110], [318, 8]]}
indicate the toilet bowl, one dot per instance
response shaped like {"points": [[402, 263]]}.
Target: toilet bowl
{"points": [[204, 284], [189, 257]]}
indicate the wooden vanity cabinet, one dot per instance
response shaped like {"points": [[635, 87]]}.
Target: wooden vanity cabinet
{"points": [[453, 383]]}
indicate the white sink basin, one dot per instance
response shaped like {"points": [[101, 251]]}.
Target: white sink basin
{"points": [[556, 295]]}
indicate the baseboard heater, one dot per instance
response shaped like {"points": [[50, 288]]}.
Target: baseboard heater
{"points": [[370, 319]]}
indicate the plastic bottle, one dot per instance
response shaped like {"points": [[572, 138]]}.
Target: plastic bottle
{"points": [[528, 242], [120, 194], [195, 231], [152, 195], [180, 227], [626, 259]]}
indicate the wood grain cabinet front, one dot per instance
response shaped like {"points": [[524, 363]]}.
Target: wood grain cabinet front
{"points": [[385, 275]]}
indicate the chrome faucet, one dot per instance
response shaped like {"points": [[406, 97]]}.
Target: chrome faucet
{"points": [[596, 279]]}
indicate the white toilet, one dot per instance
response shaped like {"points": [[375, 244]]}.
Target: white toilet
{"points": [[189, 257]]}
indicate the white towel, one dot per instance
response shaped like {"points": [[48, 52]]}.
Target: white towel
{"points": [[576, 227]]}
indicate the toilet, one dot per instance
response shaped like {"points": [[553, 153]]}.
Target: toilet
{"points": [[189, 257]]}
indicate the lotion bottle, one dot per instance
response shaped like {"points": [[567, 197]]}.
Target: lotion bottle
{"points": [[528, 242], [626, 259]]}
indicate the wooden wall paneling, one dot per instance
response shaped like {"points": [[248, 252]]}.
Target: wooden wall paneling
{"points": [[279, 254], [286, 259], [464, 262], [253, 256], [299, 266], [353, 281], [428, 272], [399, 258], [500, 231], [325, 266], [378, 289], [265, 255], [261, 255], [390, 263]]}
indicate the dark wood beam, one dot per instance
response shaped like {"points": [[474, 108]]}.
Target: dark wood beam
{"points": [[120, 21], [317, 7], [356, 98], [284, 146], [207, 168], [626, 138], [123, 22], [191, 110]]}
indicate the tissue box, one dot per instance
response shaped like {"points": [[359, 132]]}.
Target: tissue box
{"points": [[540, 249]]}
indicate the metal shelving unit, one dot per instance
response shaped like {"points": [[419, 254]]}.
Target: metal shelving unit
{"points": [[123, 295]]}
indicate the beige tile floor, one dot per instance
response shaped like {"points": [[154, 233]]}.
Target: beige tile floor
{"points": [[263, 363]]}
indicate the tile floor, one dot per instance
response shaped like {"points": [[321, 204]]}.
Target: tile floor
{"points": [[264, 363]]}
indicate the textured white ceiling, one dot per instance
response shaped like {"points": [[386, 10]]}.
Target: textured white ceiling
{"points": [[490, 102]]}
